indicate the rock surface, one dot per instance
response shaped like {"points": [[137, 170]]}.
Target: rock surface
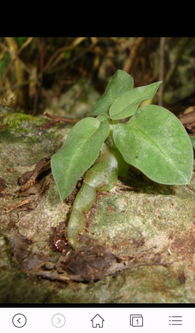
{"points": [[150, 227]]}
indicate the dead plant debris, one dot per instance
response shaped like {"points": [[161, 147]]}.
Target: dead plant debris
{"points": [[29, 178]]}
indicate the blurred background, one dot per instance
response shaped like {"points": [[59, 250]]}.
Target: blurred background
{"points": [[65, 75]]}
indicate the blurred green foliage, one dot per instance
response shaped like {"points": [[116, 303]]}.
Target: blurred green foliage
{"points": [[4, 62], [21, 40]]}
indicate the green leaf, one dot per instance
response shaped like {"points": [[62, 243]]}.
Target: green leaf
{"points": [[156, 143], [127, 104], [124, 111], [78, 153], [120, 82]]}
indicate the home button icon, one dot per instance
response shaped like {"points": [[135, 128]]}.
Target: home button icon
{"points": [[97, 321]]}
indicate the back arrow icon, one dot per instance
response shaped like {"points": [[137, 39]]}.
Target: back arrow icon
{"points": [[19, 320]]}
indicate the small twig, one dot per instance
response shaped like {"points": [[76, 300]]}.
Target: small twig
{"points": [[17, 205], [59, 54], [55, 119], [41, 166], [124, 186], [25, 44], [162, 69], [63, 119], [17, 86], [21, 94], [72, 60], [132, 55]]}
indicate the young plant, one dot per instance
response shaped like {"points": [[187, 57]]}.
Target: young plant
{"points": [[100, 148]]}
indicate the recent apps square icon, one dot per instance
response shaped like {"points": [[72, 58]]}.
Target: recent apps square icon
{"points": [[136, 320]]}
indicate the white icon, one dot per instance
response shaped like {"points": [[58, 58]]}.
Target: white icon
{"points": [[97, 321], [136, 320], [58, 320], [19, 320], [175, 320]]}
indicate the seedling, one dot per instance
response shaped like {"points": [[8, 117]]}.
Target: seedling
{"points": [[122, 132]]}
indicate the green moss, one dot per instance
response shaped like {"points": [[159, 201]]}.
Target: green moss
{"points": [[19, 119], [150, 284], [16, 287], [23, 128]]}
